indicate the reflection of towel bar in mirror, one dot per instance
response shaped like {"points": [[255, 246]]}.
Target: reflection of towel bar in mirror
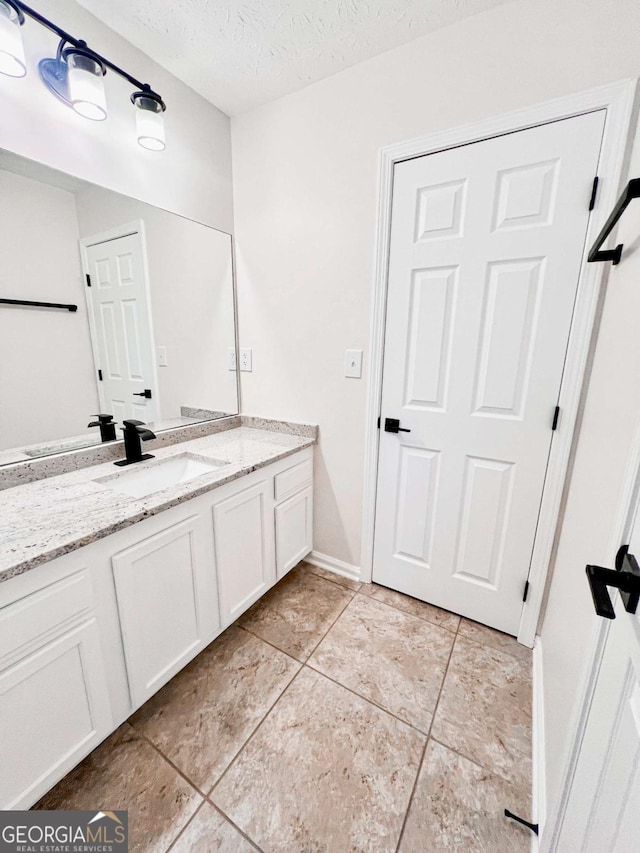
{"points": [[30, 304], [632, 190]]}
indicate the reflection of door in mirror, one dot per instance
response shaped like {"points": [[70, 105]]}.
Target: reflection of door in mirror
{"points": [[120, 323], [158, 319]]}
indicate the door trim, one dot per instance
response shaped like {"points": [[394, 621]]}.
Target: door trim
{"points": [[618, 100], [128, 229]]}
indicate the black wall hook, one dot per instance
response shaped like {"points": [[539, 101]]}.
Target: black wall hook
{"points": [[631, 191]]}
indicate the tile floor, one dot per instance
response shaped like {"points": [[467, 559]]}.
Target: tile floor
{"points": [[334, 717]]}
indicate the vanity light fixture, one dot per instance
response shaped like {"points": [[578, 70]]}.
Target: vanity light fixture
{"points": [[12, 61], [76, 74], [149, 121], [75, 77]]}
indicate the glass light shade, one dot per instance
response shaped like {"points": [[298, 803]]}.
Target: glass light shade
{"points": [[12, 60], [86, 86], [149, 123]]}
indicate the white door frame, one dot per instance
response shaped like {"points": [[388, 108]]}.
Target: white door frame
{"points": [[126, 230], [618, 100]]}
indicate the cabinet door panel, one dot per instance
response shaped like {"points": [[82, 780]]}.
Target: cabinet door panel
{"points": [[54, 708], [243, 535], [160, 584], [294, 530]]}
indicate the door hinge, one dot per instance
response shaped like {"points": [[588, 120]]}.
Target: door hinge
{"points": [[100, 375], [526, 591], [378, 421], [594, 193], [556, 418], [88, 280]]}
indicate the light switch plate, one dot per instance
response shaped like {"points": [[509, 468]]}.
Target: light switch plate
{"points": [[353, 364], [161, 353], [246, 359], [231, 358]]}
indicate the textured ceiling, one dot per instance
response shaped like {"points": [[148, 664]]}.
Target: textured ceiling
{"points": [[242, 53]]}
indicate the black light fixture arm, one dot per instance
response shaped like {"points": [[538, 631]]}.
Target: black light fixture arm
{"points": [[66, 38]]}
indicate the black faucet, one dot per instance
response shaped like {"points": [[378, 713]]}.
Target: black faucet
{"points": [[135, 432], [107, 427]]}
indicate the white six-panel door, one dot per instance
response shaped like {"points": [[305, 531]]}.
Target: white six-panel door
{"points": [[486, 248], [604, 803], [121, 328]]}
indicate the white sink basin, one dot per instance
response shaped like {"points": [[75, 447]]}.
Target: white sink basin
{"points": [[145, 478]]}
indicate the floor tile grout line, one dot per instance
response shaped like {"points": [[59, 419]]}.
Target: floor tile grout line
{"points": [[252, 733], [493, 771], [330, 627], [477, 763], [353, 692], [411, 796], [180, 772], [407, 613], [313, 571], [494, 649], [192, 818], [433, 717], [273, 645], [444, 679], [235, 825], [251, 736]]}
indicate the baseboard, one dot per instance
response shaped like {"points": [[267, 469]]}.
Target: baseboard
{"points": [[539, 789], [331, 564]]}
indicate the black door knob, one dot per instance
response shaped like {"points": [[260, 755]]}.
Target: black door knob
{"points": [[146, 393]]}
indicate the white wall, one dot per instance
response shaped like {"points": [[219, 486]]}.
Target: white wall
{"points": [[305, 186], [191, 298], [40, 261], [192, 176], [305, 199]]}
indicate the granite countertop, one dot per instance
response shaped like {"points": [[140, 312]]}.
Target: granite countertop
{"points": [[51, 517]]}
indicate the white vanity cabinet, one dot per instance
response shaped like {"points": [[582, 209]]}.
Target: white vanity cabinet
{"points": [[88, 637], [244, 545], [165, 588]]}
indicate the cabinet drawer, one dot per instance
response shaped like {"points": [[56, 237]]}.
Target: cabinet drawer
{"points": [[293, 479], [39, 616]]}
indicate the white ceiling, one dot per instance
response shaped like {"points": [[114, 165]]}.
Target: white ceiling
{"points": [[242, 53]]}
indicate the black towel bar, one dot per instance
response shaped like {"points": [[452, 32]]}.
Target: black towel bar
{"points": [[31, 304], [631, 191]]}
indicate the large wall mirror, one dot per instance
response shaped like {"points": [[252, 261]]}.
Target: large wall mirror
{"points": [[146, 323]]}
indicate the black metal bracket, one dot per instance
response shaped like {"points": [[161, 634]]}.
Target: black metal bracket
{"points": [[625, 577], [31, 304], [631, 191], [534, 827]]}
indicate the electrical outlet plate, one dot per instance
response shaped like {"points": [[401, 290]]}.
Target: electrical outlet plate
{"points": [[161, 353], [231, 358], [246, 359]]}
